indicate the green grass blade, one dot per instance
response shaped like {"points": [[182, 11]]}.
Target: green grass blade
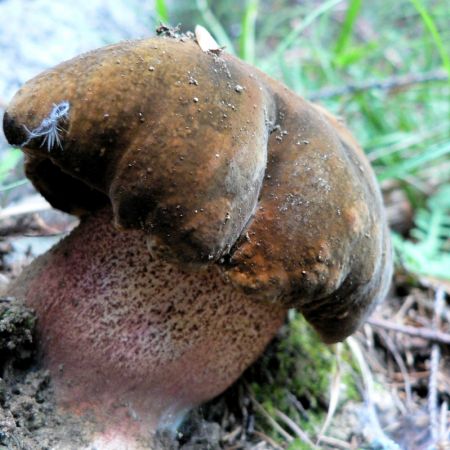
{"points": [[8, 161], [433, 30], [295, 33], [214, 26], [347, 27], [406, 166], [247, 38], [162, 12], [14, 185]]}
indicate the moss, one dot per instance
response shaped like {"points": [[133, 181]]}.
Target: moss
{"points": [[348, 380], [299, 445], [296, 373]]}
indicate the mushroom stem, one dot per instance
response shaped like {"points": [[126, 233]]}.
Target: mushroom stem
{"points": [[132, 343]]}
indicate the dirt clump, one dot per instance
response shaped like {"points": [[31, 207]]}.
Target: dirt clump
{"points": [[28, 419]]}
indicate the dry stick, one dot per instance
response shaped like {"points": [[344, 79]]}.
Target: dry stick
{"points": [[31, 204], [337, 443], [232, 434], [369, 394], [432, 393], [421, 332], [267, 439], [429, 305], [410, 300], [295, 428], [297, 404], [334, 394], [394, 82], [401, 365], [443, 430], [434, 369], [276, 426]]}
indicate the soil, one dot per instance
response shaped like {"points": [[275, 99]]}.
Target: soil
{"points": [[28, 419]]}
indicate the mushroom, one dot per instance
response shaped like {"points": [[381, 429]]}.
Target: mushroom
{"points": [[212, 199]]}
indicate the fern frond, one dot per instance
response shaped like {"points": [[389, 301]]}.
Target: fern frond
{"points": [[429, 253]]}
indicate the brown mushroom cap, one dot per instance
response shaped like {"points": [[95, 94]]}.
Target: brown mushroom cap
{"points": [[216, 162], [159, 127], [319, 239]]}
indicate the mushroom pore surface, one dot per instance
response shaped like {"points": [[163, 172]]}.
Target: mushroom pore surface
{"points": [[125, 335]]}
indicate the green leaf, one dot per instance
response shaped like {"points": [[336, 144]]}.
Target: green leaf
{"points": [[429, 254]]}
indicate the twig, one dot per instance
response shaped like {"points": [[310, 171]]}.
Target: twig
{"points": [[443, 430], [334, 394], [369, 393], [276, 426], [429, 305], [295, 428], [434, 369], [401, 365], [422, 332], [371, 354], [433, 391], [268, 439], [415, 375], [394, 82], [31, 204], [337, 443], [410, 300], [232, 435], [298, 405]]}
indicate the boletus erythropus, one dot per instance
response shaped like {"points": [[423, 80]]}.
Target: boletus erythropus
{"points": [[212, 199]]}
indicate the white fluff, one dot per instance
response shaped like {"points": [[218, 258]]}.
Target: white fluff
{"points": [[50, 127]]}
